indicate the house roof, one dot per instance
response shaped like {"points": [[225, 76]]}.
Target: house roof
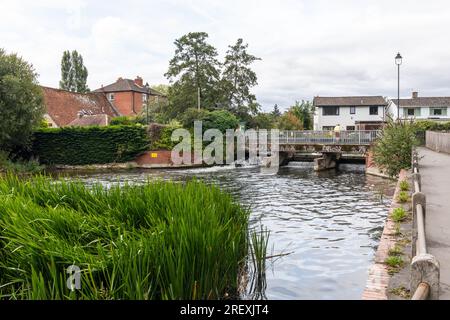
{"points": [[128, 85], [350, 101], [91, 120], [65, 106], [424, 102]]}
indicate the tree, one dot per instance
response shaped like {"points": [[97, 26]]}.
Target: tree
{"points": [[276, 111], [289, 121], [73, 73], [263, 121], [238, 79], [304, 112], [21, 102], [194, 74]]}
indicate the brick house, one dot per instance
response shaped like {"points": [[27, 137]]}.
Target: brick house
{"points": [[64, 108], [130, 96]]}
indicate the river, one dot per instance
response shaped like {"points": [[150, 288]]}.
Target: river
{"points": [[327, 223]]}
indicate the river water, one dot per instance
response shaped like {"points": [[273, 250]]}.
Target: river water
{"points": [[327, 223]]}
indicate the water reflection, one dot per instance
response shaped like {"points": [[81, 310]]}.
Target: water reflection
{"points": [[329, 222]]}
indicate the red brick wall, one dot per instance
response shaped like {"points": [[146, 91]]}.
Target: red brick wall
{"points": [[155, 157], [123, 101]]}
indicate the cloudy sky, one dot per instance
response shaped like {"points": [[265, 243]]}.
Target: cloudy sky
{"points": [[308, 48]]}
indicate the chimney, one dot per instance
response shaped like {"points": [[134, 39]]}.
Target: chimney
{"points": [[139, 81], [415, 94], [80, 114], [120, 78]]}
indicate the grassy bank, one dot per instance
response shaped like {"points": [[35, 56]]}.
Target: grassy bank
{"points": [[162, 240]]}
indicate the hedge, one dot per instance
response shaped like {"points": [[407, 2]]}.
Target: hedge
{"points": [[89, 145]]}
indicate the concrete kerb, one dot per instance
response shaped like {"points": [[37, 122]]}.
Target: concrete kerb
{"points": [[417, 198]]}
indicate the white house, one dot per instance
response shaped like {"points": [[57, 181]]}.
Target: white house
{"points": [[420, 108], [351, 113]]}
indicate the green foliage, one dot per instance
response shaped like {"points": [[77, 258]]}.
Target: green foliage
{"points": [[398, 214], [73, 72], [304, 112], [89, 145], [289, 121], [424, 125], [392, 151], [403, 196], [18, 165], [21, 102], [217, 119], [194, 67], [238, 78], [161, 240], [276, 111], [394, 262], [395, 251], [126, 121], [161, 136], [404, 185], [264, 121]]}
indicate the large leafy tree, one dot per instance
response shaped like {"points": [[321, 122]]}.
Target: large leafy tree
{"points": [[194, 73], [21, 102], [73, 72], [238, 78], [304, 112]]}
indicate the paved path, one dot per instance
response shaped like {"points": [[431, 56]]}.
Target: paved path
{"points": [[434, 169]]}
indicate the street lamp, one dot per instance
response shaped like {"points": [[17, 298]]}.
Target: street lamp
{"points": [[398, 62]]}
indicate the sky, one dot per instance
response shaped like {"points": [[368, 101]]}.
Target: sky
{"points": [[307, 48]]}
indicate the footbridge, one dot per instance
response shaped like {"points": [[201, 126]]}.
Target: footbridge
{"points": [[325, 148]]}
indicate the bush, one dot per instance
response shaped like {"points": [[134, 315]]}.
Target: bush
{"points": [[218, 119], [392, 151], [161, 135], [403, 196], [126, 121], [161, 240], [18, 165], [89, 145]]}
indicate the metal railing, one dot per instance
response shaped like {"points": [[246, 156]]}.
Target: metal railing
{"points": [[424, 266], [329, 137]]}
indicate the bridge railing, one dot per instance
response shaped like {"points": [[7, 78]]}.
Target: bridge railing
{"points": [[424, 267], [359, 137]]}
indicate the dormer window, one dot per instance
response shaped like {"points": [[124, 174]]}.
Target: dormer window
{"points": [[111, 97]]}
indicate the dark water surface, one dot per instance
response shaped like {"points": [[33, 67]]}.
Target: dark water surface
{"points": [[328, 222]]}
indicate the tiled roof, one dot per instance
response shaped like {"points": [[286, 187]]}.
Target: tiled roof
{"points": [[91, 120], [65, 106], [350, 101], [424, 102], [128, 85]]}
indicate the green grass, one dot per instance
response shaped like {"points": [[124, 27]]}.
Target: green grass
{"points": [[394, 263], [395, 251], [403, 196], [404, 185], [162, 240], [399, 214]]}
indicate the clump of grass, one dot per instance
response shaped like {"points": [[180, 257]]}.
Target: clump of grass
{"points": [[404, 185], [398, 231], [395, 251], [162, 240], [394, 263], [19, 166], [401, 292], [403, 196], [398, 214]]}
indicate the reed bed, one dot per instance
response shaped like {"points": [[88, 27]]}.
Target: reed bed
{"points": [[161, 240]]}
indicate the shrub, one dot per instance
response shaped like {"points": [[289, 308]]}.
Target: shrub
{"points": [[89, 145], [217, 119], [126, 121], [18, 165], [161, 135], [161, 240], [392, 151]]}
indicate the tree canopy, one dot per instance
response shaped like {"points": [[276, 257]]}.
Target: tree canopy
{"points": [[21, 102], [73, 72]]}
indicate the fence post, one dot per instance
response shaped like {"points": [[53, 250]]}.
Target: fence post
{"points": [[425, 268]]}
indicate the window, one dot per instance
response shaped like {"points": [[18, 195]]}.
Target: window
{"points": [[352, 110], [330, 111], [144, 98], [438, 111], [327, 128], [373, 110], [411, 112], [350, 128], [111, 97]]}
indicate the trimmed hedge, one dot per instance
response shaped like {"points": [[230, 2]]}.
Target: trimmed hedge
{"points": [[89, 145]]}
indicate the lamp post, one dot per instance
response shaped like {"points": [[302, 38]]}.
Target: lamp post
{"points": [[398, 62]]}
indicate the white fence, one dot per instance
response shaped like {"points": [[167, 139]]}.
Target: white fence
{"points": [[329, 137]]}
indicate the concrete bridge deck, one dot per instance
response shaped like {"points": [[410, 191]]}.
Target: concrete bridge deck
{"points": [[435, 177]]}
